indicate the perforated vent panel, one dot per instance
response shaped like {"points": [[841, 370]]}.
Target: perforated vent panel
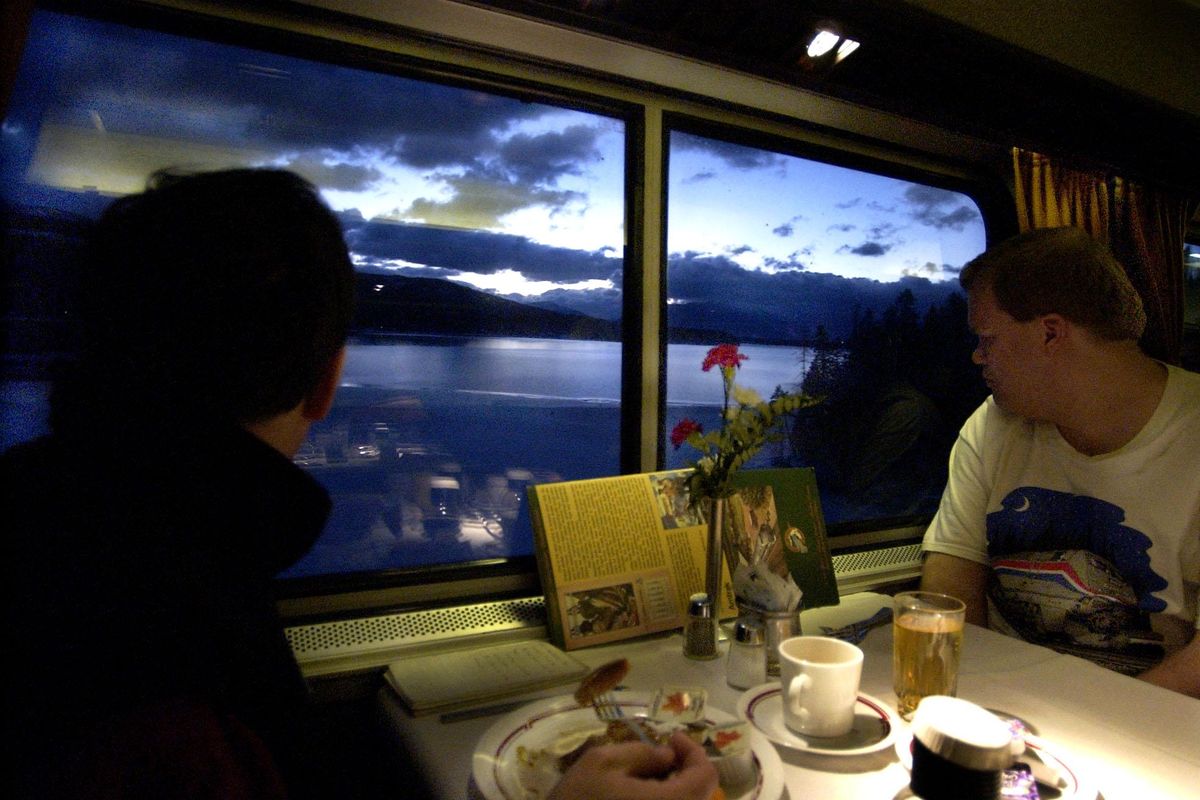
{"points": [[857, 572], [389, 632], [874, 559]]}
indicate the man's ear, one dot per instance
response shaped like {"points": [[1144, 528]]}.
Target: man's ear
{"points": [[1055, 329], [318, 402]]}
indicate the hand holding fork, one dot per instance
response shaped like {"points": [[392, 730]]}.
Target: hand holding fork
{"points": [[596, 690]]}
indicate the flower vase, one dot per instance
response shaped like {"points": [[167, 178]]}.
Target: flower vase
{"points": [[712, 568]]}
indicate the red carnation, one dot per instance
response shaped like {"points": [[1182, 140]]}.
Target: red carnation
{"points": [[684, 429], [723, 355]]}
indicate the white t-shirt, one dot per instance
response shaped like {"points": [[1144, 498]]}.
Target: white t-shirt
{"points": [[1020, 497]]}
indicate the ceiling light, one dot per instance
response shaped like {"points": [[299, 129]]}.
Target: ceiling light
{"points": [[847, 47], [822, 42]]}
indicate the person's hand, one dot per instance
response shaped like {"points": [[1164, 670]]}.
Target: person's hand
{"points": [[634, 771]]}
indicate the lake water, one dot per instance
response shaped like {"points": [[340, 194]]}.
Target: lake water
{"points": [[543, 404], [475, 409], [556, 370]]}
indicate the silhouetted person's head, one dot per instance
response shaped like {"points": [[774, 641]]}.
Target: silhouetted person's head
{"points": [[222, 294]]}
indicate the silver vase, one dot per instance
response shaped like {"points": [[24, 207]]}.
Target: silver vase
{"points": [[712, 568]]}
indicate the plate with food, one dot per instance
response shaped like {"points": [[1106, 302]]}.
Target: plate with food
{"points": [[523, 754]]}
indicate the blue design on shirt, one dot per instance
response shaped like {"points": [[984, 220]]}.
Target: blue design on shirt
{"points": [[1034, 518]]}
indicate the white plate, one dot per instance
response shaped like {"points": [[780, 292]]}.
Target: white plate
{"points": [[494, 765], [1076, 787], [874, 726]]}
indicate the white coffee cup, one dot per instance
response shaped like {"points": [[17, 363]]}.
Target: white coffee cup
{"points": [[820, 678]]}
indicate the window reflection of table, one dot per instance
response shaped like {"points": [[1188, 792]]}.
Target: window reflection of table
{"points": [[1132, 740]]}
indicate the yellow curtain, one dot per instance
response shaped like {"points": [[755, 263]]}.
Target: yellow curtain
{"points": [[1143, 225], [1051, 194]]}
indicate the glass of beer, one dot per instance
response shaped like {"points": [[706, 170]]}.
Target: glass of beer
{"points": [[928, 631]]}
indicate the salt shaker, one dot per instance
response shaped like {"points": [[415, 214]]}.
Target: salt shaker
{"points": [[746, 665], [700, 631]]}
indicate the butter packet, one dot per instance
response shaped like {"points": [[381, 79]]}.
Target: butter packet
{"points": [[678, 704], [728, 748], [728, 738]]}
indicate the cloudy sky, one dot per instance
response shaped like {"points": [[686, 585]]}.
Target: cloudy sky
{"points": [[519, 198]]}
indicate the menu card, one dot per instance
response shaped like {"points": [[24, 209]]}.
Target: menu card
{"points": [[447, 681], [620, 556]]}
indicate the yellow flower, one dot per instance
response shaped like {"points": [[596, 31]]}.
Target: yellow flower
{"points": [[745, 396]]}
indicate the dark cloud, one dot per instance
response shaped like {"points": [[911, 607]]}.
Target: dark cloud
{"points": [[939, 208], [927, 270], [787, 228], [373, 265], [699, 177], [884, 230], [174, 87], [779, 264], [877, 243], [870, 249], [542, 158], [304, 114], [456, 249], [740, 250], [735, 155], [344, 177]]}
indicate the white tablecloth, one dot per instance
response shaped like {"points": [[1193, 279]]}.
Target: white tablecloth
{"points": [[1131, 740]]}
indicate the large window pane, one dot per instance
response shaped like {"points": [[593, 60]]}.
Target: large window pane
{"points": [[487, 231], [837, 282]]}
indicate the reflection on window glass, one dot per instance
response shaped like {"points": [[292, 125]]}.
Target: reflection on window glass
{"points": [[835, 282], [487, 232]]}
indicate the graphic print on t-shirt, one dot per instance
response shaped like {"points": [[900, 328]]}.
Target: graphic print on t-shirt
{"points": [[1032, 518], [1067, 573]]}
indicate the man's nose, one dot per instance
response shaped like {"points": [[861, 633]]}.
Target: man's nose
{"points": [[977, 355]]}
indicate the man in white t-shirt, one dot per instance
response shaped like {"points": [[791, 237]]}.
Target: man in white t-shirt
{"points": [[1071, 516]]}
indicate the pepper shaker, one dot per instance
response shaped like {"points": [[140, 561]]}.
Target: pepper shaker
{"points": [[746, 665], [700, 631]]}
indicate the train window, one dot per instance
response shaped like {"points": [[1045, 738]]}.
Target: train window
{"points": [[1191, 314], [487, 231], [837, 281]]}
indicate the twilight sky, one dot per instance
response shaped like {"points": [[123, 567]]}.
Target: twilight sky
{"points": [[518, 198]]}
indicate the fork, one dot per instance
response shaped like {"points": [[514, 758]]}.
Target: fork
{"points": [[608, 709], [857, 631]]}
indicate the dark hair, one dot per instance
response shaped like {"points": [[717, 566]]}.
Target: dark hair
{"points": [[223, 293], [1063, 271]]}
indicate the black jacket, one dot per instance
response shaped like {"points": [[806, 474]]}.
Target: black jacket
{"points": [[138, 562]]}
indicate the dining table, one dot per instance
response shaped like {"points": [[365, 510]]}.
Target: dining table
{"points": [[1106, 735]]}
